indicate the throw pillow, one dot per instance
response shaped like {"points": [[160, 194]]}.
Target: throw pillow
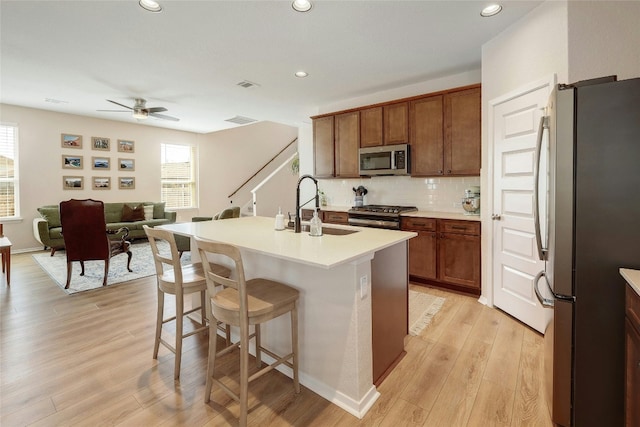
{"points": [[148, 212], [130, 214], [52, 215], [158, 210]]}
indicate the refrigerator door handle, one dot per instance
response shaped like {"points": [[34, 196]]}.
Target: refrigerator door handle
{"points": [[542, 252], [546, 302]]}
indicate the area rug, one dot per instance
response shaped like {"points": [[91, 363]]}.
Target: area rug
{"points": [[141, 264], [422, 308]]}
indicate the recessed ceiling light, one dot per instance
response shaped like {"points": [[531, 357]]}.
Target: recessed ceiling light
{"points": [[301, 74], [492, 9], [301, 5], [150, 5]]}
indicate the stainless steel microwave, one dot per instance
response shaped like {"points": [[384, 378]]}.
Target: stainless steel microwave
{"points": [[385, 160]]}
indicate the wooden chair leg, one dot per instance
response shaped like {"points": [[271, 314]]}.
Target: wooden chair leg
{"points": [[211, 360], [129, 255], [106, 272], [179, 325], [159, 319], [69, 268], [258, 344], [244, 375], [294, 346]]}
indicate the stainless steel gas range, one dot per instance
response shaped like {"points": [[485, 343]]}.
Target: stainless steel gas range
{"points": [[378, 216]]}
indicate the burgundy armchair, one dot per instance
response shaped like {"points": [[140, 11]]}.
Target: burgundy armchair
{"points": [[85, 234]]}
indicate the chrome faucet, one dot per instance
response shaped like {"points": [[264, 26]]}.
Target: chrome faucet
{"points": [[297, 226]]}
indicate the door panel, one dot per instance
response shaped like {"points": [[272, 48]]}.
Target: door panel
{"points": [[515, 257]]}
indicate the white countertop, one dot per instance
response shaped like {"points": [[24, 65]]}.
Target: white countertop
{"points": [[257, 234], [632, 277], [422, 214]]}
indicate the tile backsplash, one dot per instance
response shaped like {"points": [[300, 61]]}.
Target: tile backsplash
{"points": [[427, 194]]}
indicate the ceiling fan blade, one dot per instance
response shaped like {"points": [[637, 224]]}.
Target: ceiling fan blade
{"points": [[164, 117], [155, 109], [116, 111], [117, 103]]}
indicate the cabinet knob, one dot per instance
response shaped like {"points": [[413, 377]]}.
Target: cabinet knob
{"points": [[496, 217], [440, 172], [449, 171]]}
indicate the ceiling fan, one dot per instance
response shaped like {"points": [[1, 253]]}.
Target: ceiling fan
{"points": [[140, 110]]}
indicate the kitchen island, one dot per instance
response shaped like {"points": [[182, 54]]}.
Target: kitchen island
{"points": [[353, 305]]}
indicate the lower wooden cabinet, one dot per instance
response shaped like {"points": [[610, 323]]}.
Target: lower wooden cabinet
{"points": [[632, 359], [445, 253], [335, 217]]}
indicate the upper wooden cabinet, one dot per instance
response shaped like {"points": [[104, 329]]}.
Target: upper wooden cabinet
{"points": [[442, 128], [323, 151], [396, 123], [462, 132], [347, 142], [371, 127], [427, 136]]}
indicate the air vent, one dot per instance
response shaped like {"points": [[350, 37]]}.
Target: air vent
{"points": [[247, 84], [240, 120]]}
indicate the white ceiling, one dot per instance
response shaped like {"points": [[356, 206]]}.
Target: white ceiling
{"points": [[190, 57]]}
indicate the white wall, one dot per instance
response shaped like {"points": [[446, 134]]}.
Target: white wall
{"points": [[532, 49], [230, 157], [227, 158], [604, 39]]}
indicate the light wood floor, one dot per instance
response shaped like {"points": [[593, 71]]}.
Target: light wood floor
{"points": [[86, 360]]}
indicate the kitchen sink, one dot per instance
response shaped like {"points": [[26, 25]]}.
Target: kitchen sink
{"points": [[329, 230]]}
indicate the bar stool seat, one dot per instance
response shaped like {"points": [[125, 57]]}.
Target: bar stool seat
{"points": [[242, 303]]}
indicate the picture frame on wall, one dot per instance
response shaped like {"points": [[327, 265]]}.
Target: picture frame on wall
{"points": [[68, 140], [101, 183], [99, 143], [126, 164], [126, 183], [73, 183], [100, 163], [126, 146], [72, 162]]}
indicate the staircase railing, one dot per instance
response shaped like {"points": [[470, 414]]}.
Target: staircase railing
{"points": [[262, 168]]}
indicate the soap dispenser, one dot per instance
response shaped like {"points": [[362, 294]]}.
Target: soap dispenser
{"points": [[279, 220], [315, 226]]}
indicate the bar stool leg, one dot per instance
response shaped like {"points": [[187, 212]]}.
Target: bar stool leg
{"points": [[211, 360], [179, 324], [159, 318], [294, 346]]}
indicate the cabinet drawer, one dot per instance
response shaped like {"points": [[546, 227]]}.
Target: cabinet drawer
{"points": [[333, 217], [633, 307], [459, 227], [417, 224]]}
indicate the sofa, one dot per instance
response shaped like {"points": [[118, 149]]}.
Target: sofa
{"points": [[184, 243], [47, 229]]}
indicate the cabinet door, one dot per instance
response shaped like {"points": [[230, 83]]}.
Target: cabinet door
{"points": [[632, 390], [462, 132], [427, 140], [422, 255], [347, 142], [396, 123], [323, 161], [371, 127], [459, 259]]}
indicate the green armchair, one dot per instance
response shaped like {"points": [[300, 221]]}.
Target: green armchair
{"points": [[184, 243]]}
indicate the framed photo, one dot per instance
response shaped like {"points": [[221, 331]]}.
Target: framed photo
{"points": [[72, 183], [101, 183], [71, 141], [126, 164], [71, 162], [98, 143], [126, 146], [126, 183], [101, 163]]}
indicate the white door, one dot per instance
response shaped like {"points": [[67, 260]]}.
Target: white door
{"points": [[515, 256]]}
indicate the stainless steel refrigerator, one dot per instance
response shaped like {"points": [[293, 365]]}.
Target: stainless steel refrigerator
{"points": [[588, 226]]}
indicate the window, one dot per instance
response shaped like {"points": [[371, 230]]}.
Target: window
{"points": [[178, 175], [9, 194]]}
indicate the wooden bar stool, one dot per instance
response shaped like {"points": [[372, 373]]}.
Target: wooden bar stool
{"points": [[179, 280], [242, 303]]}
